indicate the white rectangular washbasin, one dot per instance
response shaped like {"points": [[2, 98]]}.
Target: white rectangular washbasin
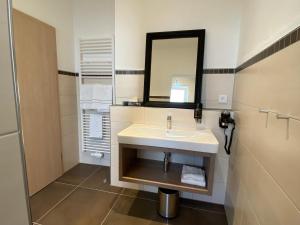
{"points": [[193, 140]]}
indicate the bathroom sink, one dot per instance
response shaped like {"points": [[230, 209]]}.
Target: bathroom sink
{"points": [[181, 133], [193, 140]]}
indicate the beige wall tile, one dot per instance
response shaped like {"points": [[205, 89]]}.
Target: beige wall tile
{"points": [[270, 203], [268, 199], [127, 114], [69, 120], [129, 86], [272, 83], [280, 156], [263, 159], [249, 217], [69, 125], [67, 85], [215, 85], [68, 105], [70, 150]]}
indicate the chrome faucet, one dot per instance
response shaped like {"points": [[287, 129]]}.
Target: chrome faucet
{"points": [[169, 122], [166, 161]]}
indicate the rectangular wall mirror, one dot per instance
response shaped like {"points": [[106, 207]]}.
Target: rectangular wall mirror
{"points": [[173, 69]]}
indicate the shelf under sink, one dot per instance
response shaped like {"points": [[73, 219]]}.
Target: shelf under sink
{"points": [[150, 172]]}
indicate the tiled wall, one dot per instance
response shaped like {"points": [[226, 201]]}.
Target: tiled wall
{"points": [[13, 203], [69, 120], [215, 83], [122, 117], [263, 181]]}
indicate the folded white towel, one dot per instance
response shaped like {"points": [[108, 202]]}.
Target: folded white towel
{"points": [[95, 123], [102, 92], [86, 92], [193, 175], [96, 92], [194, 182]]}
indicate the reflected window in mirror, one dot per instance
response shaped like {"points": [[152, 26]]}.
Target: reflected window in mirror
{"points": [[173, 69]]}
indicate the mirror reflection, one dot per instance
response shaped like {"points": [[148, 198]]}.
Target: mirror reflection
{"points": [[173, 70]]}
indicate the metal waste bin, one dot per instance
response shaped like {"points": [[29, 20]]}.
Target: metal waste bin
{"points": [[168, 202]]}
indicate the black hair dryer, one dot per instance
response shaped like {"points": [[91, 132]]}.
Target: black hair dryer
{"points": [[224, 121]]}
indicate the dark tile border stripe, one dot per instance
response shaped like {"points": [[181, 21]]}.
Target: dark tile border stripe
{"points": [[131, 72], [67, 73], [282, 43], [205, 71], [218, 71]]}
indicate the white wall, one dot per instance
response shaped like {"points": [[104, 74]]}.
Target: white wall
{"points": [[134, 18], [264, 22], [122, 117], [57, 13], [92, 19]]}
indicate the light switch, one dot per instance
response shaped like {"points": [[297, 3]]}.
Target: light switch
{"points": [[223, 99]]}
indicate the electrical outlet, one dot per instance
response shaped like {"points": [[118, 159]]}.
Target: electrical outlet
{"points": [[223, 99]]}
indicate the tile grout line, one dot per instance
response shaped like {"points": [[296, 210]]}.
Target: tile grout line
{"points": [[64, 198], [204, 210], [147, 199], [107, 215], [109, 192], [279, 186], [126, 195], [59, 182], [35, 223], [95, 189]]}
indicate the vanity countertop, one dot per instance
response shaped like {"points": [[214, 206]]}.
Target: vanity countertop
{"points": [[193, 140]]}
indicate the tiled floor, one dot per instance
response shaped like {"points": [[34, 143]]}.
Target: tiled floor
{"points": [[83, 196]]}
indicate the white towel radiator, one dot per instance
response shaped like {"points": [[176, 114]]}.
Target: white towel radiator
{"points": [[95, 144], [96, 67]]}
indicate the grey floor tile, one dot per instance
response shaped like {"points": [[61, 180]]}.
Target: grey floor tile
{"points": [[140, 194], [82, 207], [90, 207], [45, 199], [202, 205], [189, 216], [77, 174], [101, 181], [121, 219], [131, 211]]}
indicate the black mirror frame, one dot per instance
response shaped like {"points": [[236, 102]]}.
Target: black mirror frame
{"points": [[200, 34]]}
